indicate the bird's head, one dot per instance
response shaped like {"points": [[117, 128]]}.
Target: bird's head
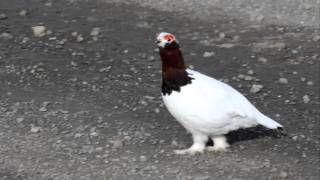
{"points": [[167, 40]]}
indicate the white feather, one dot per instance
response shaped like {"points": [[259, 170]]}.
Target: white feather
{"points": [[210, 107]]}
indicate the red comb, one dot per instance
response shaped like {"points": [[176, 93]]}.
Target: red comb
{"points": [[168, 36]]}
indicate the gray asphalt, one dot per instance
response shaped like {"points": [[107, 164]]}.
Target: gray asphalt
{"points": [[83, 102]]}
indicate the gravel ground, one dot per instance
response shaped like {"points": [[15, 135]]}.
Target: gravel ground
{"points": [[283, 12], [80, 94]]}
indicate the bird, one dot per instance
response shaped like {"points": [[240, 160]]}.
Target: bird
{"points": [[207, 108]]}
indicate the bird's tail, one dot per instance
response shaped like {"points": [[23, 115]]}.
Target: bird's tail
{"points": [[267, 122]]}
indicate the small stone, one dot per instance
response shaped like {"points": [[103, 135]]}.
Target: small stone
{"points": [[283, 174], [250, 72], [295, 138], [157, 110], [3, 16], [74, 34], [174, 143], [35, 129], [43, 109], [309, 83], [294, 51], [316, 38], [95, 31], [255, 88], [39, 31], [79, 38], [151, 58], [25, 40], [94, 134], [208, 54], [227, 45], [20, 119], [262, 59], [143, 158], [99, 149], [6, 35], [306, 99], [248, 78], [283, 80], [23, 12], [48, 4], [222, 35]]}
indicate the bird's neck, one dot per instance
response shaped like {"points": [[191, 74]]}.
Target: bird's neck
{"points": [[174, 74]]}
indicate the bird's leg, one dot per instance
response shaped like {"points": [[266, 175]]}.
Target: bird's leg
{"points": [[198, 146], [220, 143]]}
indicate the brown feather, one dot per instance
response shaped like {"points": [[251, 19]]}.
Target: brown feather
{"points": [[174, 74]]}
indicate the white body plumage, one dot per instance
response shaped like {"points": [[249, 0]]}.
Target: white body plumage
{"points": [[208, 107]]}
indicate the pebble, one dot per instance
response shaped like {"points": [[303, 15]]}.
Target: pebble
{"points": [[255, 88], [309, 83], [316, 38], [283, 174], [20, 119], [43, 109], [248, 78], [283, 80], [227, 45], [250, 72], [25, 39], [262, 59], [306, 99], [23, 12], [151, 58], [35, 129], [222, 35], [6, 35], [208, 54], [263, 45], [143, 158], [95, 31], [174, 143], [157, 110], [3, 16], [295, 138], [79, 38], [48, 4], [39, 31]]}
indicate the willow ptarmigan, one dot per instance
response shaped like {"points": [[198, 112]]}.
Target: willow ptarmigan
{"points": [[206, 107]]}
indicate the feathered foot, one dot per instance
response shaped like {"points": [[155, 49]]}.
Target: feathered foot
{"points": [[220, 144]]}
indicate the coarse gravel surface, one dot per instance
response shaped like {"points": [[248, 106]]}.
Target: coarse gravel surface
{"points": [[80, 94]]}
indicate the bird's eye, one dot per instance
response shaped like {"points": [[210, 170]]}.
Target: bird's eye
{"points": [[158, 41]]}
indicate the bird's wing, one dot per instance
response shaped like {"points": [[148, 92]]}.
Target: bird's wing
{"points": [[222, 98]]}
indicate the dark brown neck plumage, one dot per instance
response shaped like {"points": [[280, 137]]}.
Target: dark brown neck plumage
{"points": [[174, 74]]}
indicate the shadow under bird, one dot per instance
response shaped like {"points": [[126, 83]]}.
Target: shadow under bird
{"points": [[206, 107]]}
